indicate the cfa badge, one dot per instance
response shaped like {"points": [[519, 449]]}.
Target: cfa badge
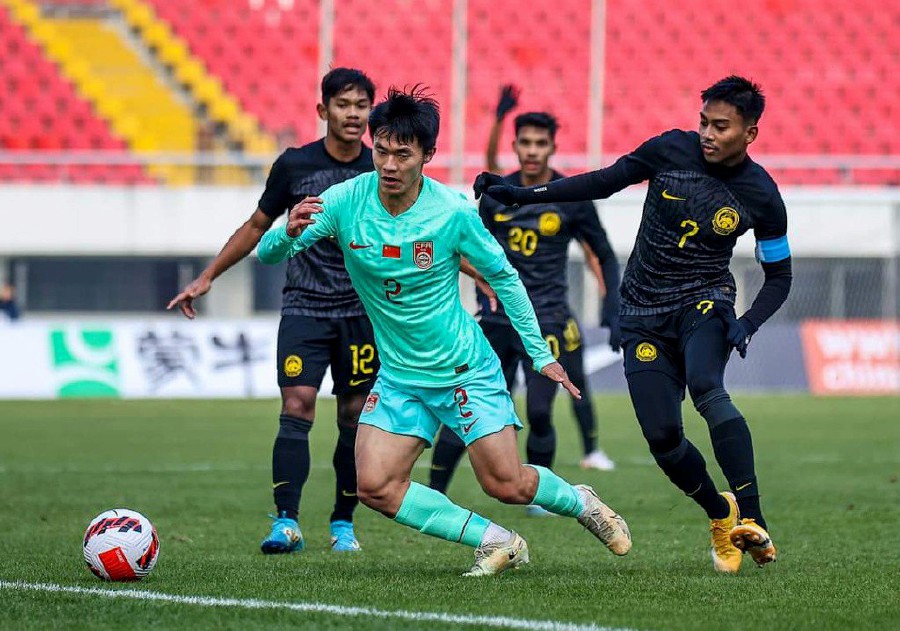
{"points": [[423, 254]]}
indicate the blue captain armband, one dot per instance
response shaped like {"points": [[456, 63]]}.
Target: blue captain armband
{"points": [[773, 250]]}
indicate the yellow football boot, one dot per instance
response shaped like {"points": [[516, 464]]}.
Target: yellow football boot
{"points": [[726, 557], [752, 538]]}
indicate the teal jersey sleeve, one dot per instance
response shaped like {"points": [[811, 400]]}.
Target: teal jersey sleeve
{"points": [[277, 245], [484, 252]]}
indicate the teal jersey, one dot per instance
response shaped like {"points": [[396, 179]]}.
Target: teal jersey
{"points": [[406, 272]]}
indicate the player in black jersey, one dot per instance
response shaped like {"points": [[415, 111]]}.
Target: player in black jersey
{"points": [[678, 320], [322, 320], [536, 241], [573, 357]]}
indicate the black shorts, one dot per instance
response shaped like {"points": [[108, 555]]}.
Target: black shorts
{"points": [[308, 345], [564, 339], [656, 342]]}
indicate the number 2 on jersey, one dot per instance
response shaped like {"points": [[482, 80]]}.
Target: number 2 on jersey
{"points": [[392, 290], [694, 229]]}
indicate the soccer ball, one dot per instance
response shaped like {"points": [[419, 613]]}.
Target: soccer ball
{"points": [[120, 545]]}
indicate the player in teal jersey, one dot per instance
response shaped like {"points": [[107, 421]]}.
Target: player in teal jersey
{"points": [[403, 235]]}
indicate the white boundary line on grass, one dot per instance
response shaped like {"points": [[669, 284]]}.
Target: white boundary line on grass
{"points": [[336, 610]]}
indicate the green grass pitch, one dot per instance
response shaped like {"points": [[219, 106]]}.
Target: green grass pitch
{"points": [[200, 470]]}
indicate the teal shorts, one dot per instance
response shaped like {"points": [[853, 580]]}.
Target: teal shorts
{"points": [[476, 408]]}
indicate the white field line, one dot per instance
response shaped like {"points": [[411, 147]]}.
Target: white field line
{"points": [[309, 607]]}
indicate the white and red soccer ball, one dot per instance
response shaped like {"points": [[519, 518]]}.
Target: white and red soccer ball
{"points": [[120, 545]]}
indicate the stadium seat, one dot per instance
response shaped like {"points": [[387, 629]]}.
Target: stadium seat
{"points": [[47, 114]]}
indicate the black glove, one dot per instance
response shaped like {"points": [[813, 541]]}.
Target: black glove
{"points": [[509, 98], [739, 333], [495, 186]]}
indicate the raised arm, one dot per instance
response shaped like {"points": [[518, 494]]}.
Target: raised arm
{"points": [[509, 98]]}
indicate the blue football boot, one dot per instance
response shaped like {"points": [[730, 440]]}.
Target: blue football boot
{"points": [[342, 537], [284, 537]]}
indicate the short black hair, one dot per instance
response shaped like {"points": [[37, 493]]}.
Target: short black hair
{"points": [[543, 120], [407, 115], [746, 96], [340, 80]]}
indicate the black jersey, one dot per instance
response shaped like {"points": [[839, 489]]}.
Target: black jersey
{"points": [[693, 214], [536, 239], [317, 282]]}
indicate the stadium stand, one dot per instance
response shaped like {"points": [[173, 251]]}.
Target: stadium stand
{"points": [[264, 53], [366, 36], [253, 67], [829, 73], [48, 114], [550, 63]]}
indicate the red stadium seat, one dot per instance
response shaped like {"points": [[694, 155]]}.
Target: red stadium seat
{"points": [[47, 113]]}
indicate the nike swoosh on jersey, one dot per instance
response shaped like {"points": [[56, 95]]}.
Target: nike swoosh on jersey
{"points": [[357, 246], [500, 217], [346, 494], [466, 428], [275, 486], [356, 382], [667, 195], [743, 486]]}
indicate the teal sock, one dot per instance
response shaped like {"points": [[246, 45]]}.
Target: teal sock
{"points": [[555, 494], [432, 513]]}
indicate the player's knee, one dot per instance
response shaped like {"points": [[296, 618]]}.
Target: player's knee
{"points": [[539, 418], [662, 438], [349, 409], [542, 443], [298, 404], [702, 384], [507, 489], [715, 407], [670, 454], [377, 492]]}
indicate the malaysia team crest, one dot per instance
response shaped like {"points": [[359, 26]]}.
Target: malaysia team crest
{"points": [[726, 220], [423, 254]]}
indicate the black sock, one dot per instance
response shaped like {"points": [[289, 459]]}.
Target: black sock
{"points": [[733, 447], [290, 464], [587, 424], [344, 462], [686, 469], [448, 450], [541, 449]]}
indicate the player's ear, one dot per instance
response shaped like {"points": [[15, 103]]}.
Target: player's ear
{"points": [[322, 111], [751, 133], [552, 146], [429, 155]]}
